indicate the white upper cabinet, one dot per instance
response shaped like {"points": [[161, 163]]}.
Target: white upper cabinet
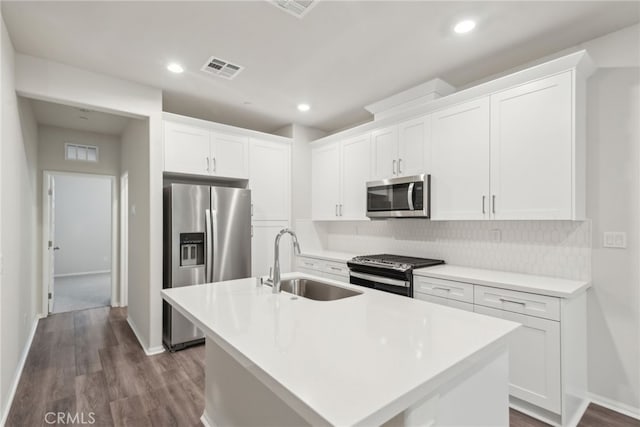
{"points": [[229, 155], [186, 149], [355, 165], [269, 180], [325, 181], [340, 171], [532, 150], [198, 151], [461, 146], [401, 150], [509, 156], [385, 153], [414, 148]]}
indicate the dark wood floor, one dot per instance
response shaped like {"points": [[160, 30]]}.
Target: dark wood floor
{"points": [[89, 362]]}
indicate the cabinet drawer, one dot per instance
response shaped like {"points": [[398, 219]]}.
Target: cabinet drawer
{"points": [[444, 288], [336, 268], [309, 263], [518, 302], [444, 301]]}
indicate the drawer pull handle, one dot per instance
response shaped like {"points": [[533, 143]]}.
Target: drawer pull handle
{"points": [[522, 303], [335, 268], [437, 288]]}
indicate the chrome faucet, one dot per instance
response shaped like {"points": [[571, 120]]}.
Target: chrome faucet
{"points": [[275, 279]]}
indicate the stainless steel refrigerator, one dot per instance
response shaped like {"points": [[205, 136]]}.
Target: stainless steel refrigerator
{"points": [[207, 238]]}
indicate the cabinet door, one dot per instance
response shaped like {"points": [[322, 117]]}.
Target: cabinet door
{"points": [[186, 149], [531, 150], [460, 162], [230, 155], [262, 240], [385, 153], [325, 181], [269, 180], [414, 147], [356, 155], [534, 359]]}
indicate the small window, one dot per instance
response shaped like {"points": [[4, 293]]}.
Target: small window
{"points": [[84, 153]]}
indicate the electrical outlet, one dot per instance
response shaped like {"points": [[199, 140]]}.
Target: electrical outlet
{"points": [[615, 239], [495, 235]]}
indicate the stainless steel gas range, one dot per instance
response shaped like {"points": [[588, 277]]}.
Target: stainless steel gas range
{"points": [[388, 273]]}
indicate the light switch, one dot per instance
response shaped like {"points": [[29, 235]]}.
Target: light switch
{"points": [[615, 239]]}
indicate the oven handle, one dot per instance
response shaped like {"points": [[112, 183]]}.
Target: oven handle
{"points": [[410, 195], [379, 279]]}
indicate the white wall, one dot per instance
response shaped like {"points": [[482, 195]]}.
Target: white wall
{"points": [[47, 80], [19, 239], [51, 142], [614, 205], [135, 162], [82, 224]]}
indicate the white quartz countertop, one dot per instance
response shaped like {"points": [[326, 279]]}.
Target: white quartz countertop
{"points": [[354, 361], [328, 255], [515, 281]]}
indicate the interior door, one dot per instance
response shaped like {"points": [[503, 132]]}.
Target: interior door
{"points": [[51, 244]]}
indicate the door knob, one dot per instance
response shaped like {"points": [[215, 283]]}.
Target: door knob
{"points": [[56, 248]]}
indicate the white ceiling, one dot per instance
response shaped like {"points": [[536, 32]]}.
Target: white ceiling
{"points": [[64, 116], [341, 56]]}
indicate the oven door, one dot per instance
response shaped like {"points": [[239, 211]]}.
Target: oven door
{"points": [[386, 284], [399, 197]]}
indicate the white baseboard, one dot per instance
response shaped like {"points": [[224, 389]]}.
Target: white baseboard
{"points": [[18, 375], [622, 408], [82, 273], [573, 422], [149, 351]]}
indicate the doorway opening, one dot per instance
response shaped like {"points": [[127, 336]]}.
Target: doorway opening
{"points": [[80, 217]]}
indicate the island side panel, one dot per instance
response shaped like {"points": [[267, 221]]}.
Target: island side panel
{"points": [[477, 397], [235, 397]]}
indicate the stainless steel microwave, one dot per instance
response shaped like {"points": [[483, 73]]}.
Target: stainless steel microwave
{"points": [[402, 197]]}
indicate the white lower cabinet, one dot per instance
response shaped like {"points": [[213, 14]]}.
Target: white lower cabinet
{"points": [[263, 235], [547, 354], [534, 359]]}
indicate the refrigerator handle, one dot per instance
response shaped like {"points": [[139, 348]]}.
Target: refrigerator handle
{"points": [[208, 263]]}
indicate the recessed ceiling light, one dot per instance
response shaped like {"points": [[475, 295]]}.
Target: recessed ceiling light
{"points": [[465, 26], [175, 68], [304, 107]]}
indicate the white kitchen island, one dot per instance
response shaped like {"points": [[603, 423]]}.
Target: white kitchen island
{"points": [[370, 359]]}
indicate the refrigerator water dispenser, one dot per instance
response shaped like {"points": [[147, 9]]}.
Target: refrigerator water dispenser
{"points": [[191, 249]]}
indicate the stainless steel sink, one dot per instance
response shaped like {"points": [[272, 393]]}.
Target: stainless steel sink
{"points": [[314, 290]]}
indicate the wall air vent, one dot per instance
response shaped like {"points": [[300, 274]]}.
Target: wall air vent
{"points": [[221, 68], [298, 8], [85, 153]]}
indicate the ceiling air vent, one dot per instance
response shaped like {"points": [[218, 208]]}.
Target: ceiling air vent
{"points": [[221, 68], [297, 8]]}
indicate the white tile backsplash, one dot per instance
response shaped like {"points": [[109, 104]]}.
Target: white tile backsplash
{"points": [[549, 248]]}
